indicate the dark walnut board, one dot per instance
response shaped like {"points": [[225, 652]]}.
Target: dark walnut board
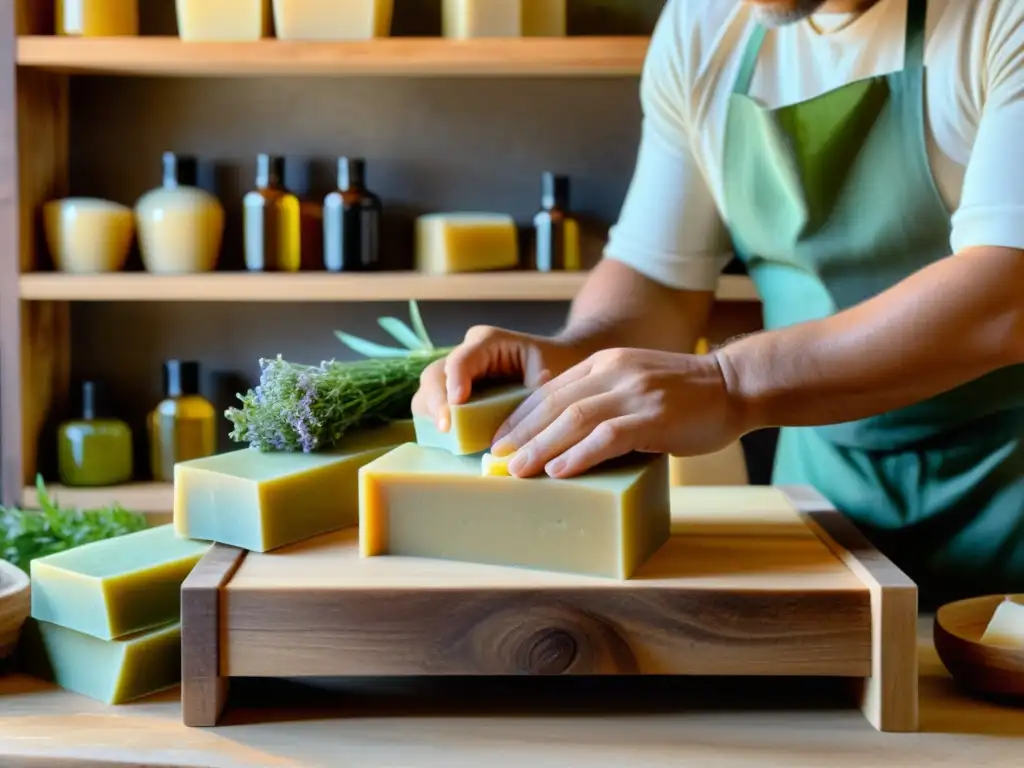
{"points": [[754, 581]]}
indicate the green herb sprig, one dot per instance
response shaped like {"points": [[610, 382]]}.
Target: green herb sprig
{"points": [[28, 534], [310, 408]]}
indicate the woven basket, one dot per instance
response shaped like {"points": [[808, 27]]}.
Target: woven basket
{"points": [[14, 606]]}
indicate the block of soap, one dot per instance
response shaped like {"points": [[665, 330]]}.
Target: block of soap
{"points": [[463, 19], [117, 586], [326, 20], [447, 243], [111, 671], [543, 18], [425, 502], [494, 466], [473, 423], [262, 501], [1006, 627]]}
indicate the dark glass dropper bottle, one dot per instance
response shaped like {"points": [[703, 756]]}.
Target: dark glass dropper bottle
{"points": [[351, 221], [557, 232]]}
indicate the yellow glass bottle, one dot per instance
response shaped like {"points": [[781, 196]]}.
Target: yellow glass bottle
{"points": [[182, 426], [272, 221], [97, 18]]}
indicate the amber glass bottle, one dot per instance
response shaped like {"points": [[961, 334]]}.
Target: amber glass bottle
{"points": [[271, 220], [182, 426], [351, 221], [94, 449], [557, 232]]}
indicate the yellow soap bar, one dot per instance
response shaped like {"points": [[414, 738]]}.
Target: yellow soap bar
{"points": [[262, 501], [543, 18], [425, 502], [117, 586], [463, 19], [465, 242], [111, 671], [473, 423], [223, 20], [332, 20], [494, 466], [1006, 627]]}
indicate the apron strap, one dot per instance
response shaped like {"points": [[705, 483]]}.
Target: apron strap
{"points": [[913, 54], [749, 62]]}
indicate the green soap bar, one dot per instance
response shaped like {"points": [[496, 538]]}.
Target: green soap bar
{"points": [[117, 586], [474, 423], [112, 671], [261, 501]]}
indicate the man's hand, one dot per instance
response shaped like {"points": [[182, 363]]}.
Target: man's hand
{"points": [[618, 401], [488, 352]]}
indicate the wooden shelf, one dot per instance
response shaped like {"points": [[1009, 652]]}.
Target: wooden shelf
{"points": [[395, 56], [149, 498], [325, 287]]}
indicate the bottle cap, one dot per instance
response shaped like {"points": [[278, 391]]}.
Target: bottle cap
{"points": [[351, 172], [180, 170], [269, 170], [181, 377], [554, 189]]}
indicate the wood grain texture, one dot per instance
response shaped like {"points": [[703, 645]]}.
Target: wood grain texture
{"points": [[401, 56], [889, 695], [746, 592], [203, 688], [152, 499], [10, 342]]}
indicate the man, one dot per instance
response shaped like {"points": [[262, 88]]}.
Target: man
{"points": [[865, 158]]}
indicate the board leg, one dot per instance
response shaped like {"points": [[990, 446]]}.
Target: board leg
{"points": [[889, 697], [203, 690]]}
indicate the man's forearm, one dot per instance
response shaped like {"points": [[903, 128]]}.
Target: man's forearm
{"points": [[618, 307], [952, 322]]}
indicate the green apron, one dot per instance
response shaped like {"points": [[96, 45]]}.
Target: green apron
{"points": [[830, 202]]}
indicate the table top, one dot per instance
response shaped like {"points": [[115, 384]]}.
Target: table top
{"points": [[539, 722]]}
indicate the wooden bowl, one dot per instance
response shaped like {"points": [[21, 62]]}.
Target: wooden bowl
{"points": [[14, 606], [987, 669]]}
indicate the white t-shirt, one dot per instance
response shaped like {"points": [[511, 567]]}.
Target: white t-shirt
{"points": [[671, 225]]}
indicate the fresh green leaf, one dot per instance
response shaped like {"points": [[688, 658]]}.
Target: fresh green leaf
{"points": [[401, 332], [369, 348], [417, 323]]}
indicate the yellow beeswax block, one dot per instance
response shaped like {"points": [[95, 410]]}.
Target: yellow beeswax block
{"points": [[1006, 627], [465, 242], [494, 466], [262, 501], [473, 423], [117, 586], [425, 502], [111, 671]]}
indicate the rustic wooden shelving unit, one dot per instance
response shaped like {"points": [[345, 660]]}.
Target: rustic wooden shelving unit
{"points": [[35, 68]]}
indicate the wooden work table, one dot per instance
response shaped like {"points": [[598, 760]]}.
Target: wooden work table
{"points": [[520, 722]]}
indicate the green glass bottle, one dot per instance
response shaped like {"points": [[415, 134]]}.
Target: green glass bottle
{"points": [[183, 424], [94, 449]]}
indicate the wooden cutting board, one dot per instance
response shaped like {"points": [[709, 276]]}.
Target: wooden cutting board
{"points": [[754, 581]]}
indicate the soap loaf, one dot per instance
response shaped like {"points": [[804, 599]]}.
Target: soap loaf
{"points": [[115, 587], [473, 423], [448, 243], [426, 502], [261, 501]]}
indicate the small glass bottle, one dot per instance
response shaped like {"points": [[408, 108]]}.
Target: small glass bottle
{"points": [[557, 232], [97, 18], [179, 225], [93, 449], [182, 426], [351, 221], [272, 220]]}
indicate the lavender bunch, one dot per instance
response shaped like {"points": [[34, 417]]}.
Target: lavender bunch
{"points": [[310, 408]]}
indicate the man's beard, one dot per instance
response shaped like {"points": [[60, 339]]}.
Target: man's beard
{"points": [[779, 15]]}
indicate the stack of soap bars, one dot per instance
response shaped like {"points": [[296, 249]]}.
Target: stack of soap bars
{"points": [[108, 613]]}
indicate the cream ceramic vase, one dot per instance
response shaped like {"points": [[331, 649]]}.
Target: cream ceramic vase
{"points": [[87, 235]]}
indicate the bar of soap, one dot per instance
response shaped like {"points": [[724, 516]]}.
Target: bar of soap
{"points": [[494, 466], [117, 586], [425, 502], [473, 423], [448, 243], [331, 20], [112, 671], [464, 19], [543, 18], [262, 501], [1006, 627]]}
